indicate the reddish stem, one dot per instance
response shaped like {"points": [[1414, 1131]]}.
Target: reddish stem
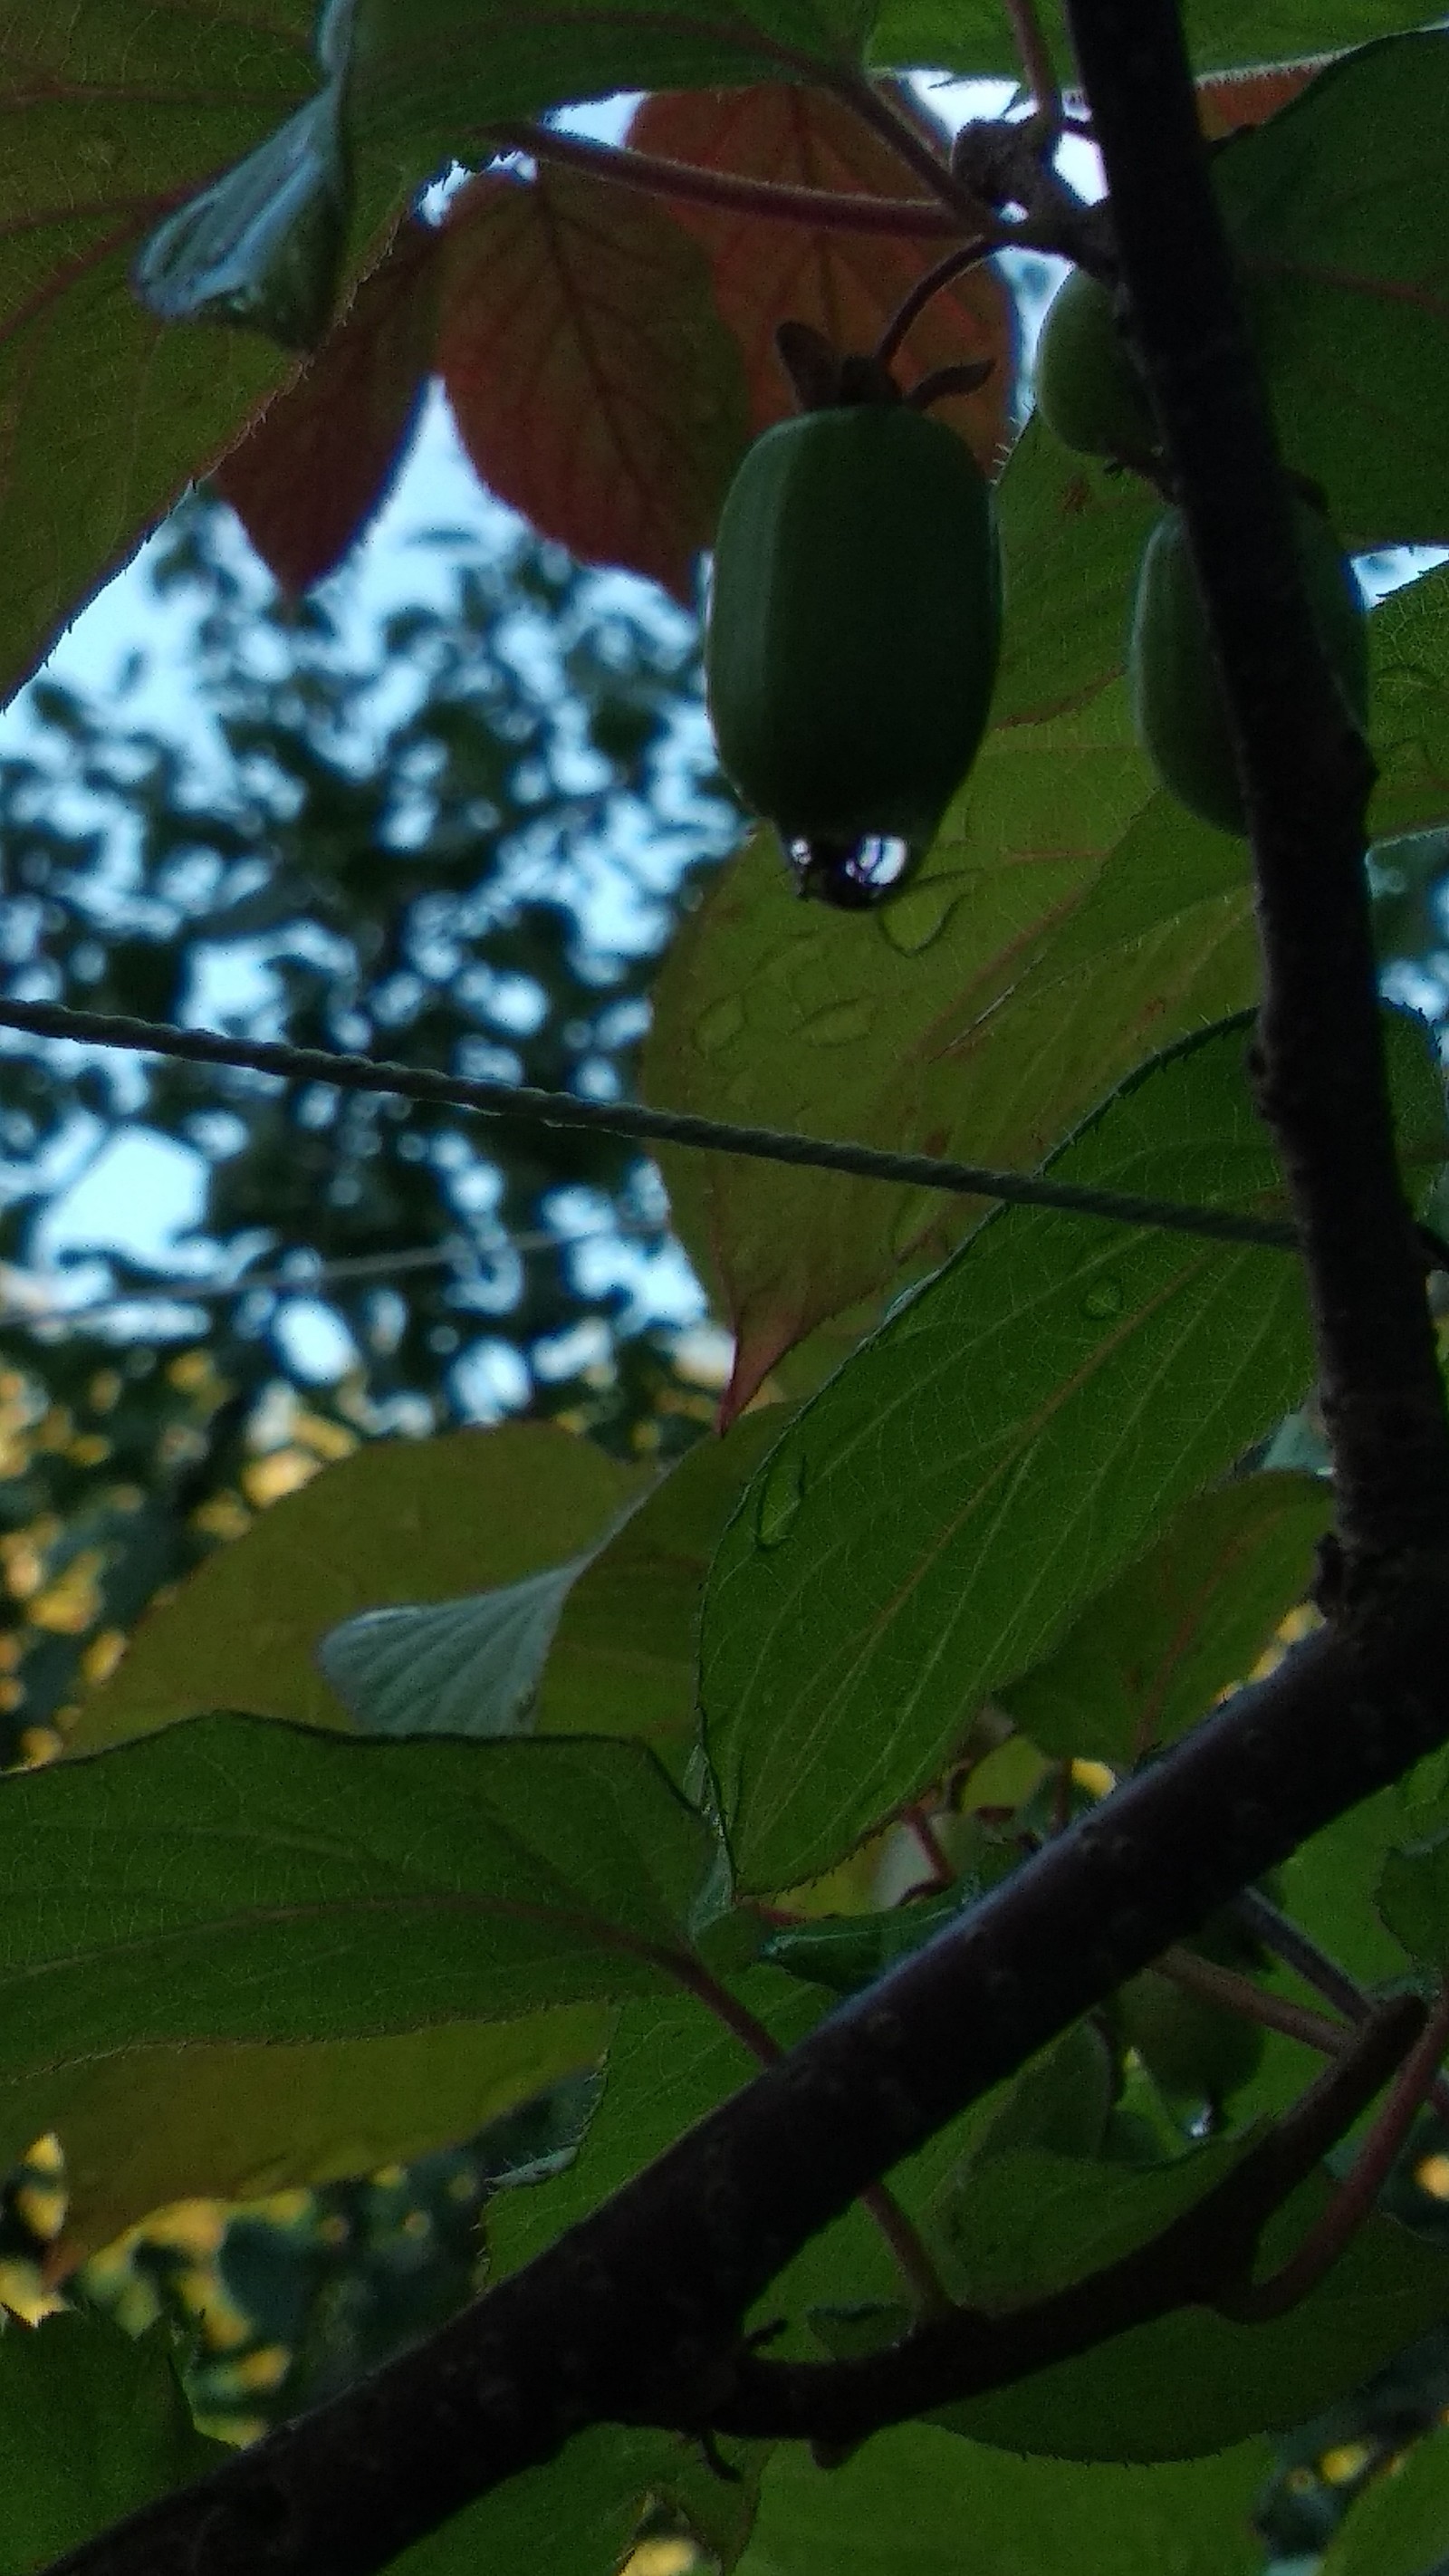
{"points": [[1354, 2200], [914, 304], [727, 191]]}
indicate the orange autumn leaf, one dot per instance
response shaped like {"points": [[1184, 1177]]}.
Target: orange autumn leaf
{"points": [[847, 284], [1230, 101], [318, 464], [593, 384]]}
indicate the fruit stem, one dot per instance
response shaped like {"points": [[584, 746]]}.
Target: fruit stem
{"points": [[824, 209], [968, 255]]}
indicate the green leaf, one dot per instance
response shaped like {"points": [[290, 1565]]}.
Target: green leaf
{"points": [[1025, 2222], [1069, 918], [848, 1951], [1150, 1655], [1399, 2527], [1006, 1444], [1191, 2383], [109, 115], [460, 1668], [235, 1880], [264, 246], [602, 1646], [92, 2426], [912, 2504], [1329, 1883], [1409, 698], [1413, 1898], [576, 2516], [1072, 535], [399, 1521], [1223, 35], [625, 1654], [1061, 2100], [670, 2062], [1335, 208], [143, 2126]]}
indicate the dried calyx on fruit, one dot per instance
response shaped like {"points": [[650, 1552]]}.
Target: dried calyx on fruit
{"points": [[1177, 701], [854, 627]]}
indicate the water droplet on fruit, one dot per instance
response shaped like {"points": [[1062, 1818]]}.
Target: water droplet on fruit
{"points": [[918, 917], [719, 1026], [1104, 1298], [781, 1496], [854, 876]]}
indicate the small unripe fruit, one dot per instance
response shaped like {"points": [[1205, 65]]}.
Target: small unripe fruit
{"points": [[1088, 391], [854, 626], [1177, 703]]}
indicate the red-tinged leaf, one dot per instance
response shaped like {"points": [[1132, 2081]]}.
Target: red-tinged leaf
{"points": [[848, 284], [318, 464], [592, 381], [1229, 101]]}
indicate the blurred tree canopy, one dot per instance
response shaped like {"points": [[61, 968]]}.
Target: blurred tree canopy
{"points": [[456, 834]]}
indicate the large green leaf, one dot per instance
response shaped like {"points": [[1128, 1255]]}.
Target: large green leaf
{"points": [[1072, 535], [1413, 1898], [998, 1452], [1401, 2526], [92, 2426], [1192, 2382], [1069, 919], [602, 1646], [1336, 208], [399, 1521], [109, 114], [142, 2126], [230, 1879], [1409, 684], [1153, 1652], [974, 35], [912, 2503]]}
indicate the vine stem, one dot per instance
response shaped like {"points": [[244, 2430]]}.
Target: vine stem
{"points": [[1257, 2302], [727, 191], [913, 305]]}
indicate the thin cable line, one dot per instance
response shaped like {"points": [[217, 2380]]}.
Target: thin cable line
{"points": [[640, 1125], [457, 1254]]}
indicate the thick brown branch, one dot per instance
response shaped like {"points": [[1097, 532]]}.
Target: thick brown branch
{"points": [[963, 2355], [1306, 777], [636, 2314]]}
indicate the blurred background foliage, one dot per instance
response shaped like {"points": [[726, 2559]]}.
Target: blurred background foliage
{"points": [[457, 836]]}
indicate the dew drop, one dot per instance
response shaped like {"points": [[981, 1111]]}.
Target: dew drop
{"points": [[854, 876], [1103, 1299], [780, 1498], [916, 918], [719, 1026]]}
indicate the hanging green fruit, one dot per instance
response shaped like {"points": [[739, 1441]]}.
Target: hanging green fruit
{"points": [[1177, 704], [1088, 390], [854, 626]]}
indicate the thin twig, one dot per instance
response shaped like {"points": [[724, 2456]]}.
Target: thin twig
{"points": [[642, 1125], [728, 191], [1233, 1992], [1289, 1942], [914, 304], [1257, 2302]]}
